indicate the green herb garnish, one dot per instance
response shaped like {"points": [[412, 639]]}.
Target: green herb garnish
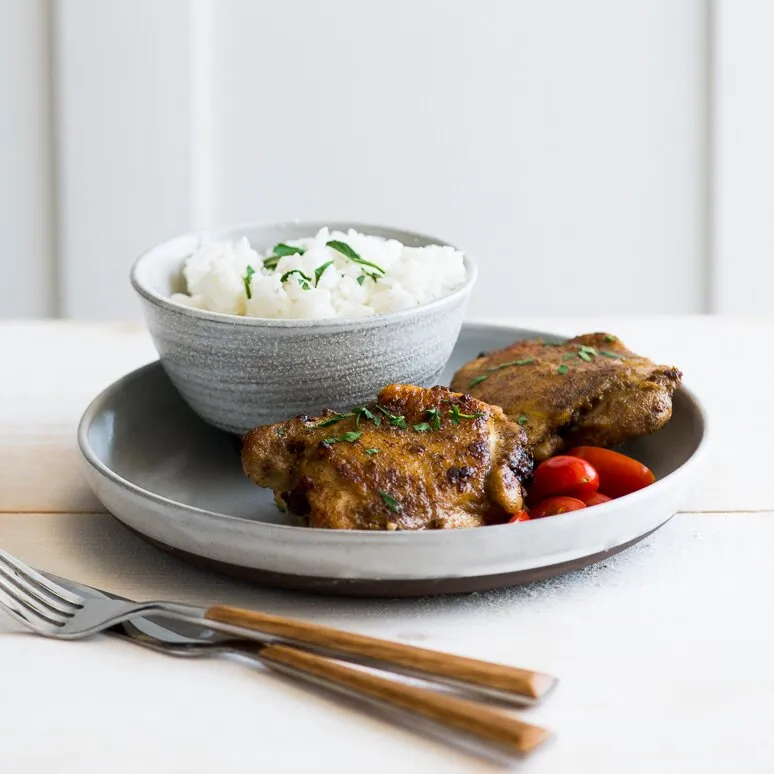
{"points": [[563, 369], [303, 281], [522, 419], [281, 250], [348, 252], [553, 343], [456, 415], [434, 415], [584, 356], [569, 356], [349, 437], [477, 380], [319, 271], [590, 350], [371, 451], [334, 419], [280, 431], [422, 427], [615, 355], [361, 279], [271, 262], [523, 361], [364, 412], [609, 338], [390, 502], [395, 420], [247, 279]]}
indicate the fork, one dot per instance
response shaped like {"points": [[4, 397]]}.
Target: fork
{"points": [[53, 611], [434, 710]]}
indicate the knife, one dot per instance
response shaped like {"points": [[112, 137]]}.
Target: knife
{"points": [[499, 682], [435, 712]]}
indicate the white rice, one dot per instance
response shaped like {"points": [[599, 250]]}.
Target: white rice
{"points": [[220, 278]]}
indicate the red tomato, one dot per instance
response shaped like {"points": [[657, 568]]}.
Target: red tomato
{"points": [[596, 499], [553, 506], [564, 475], [520, 516], [619, 475]]}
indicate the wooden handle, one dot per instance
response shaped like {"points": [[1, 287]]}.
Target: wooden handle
{"points": [[460, 714], [511, 680]]}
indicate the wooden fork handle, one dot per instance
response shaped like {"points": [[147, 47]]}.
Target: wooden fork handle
{"points": [[460, 714], [506, 679]]}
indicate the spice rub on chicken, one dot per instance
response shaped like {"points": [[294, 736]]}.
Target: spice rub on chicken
{"points": [[590, 390], [415, 459]]}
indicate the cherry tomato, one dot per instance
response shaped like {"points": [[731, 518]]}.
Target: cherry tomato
{"points": [[619, 475], [553, 506], [520, 516], [564, 475], [596, 499]]}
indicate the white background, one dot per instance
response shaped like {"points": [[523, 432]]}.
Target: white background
{"points": [[595, 156]]}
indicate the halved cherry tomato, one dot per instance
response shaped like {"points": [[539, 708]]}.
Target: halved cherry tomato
{"points": [[564, 475], [619, 475], [596, 499], [553, 506], [520, 516]]}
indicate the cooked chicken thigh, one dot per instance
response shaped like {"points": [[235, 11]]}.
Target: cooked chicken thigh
{"points": [[416, 459], [589, 390]]}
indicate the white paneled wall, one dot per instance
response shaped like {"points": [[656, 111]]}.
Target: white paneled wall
{"points": [[565, 144], [27, 287]]}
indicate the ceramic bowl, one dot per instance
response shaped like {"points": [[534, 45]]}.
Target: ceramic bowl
{"points": [[239, 372]]}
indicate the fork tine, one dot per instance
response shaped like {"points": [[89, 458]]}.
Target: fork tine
{"points": [[18, 587], [27, 609], [35, 577]]}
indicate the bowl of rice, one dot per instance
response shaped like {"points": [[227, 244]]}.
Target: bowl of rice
{"points": [[256, 323]]}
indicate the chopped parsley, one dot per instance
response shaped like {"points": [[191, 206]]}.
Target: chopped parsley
{"points": [[364, 412], [280, 431], [390, 502], [456, 414], [422, 427], [271, 262], [563, 369], [584, 356], [478, 379], [615, 355], [319, 271], [247, 279], [522, 419], [361, 279], [334, 419], [523, 361], [281, 250], [371, 452], [348, 252], [434, 415], [349, 437], [395, 420], [303, 281], [609, 338], [569, 356]]}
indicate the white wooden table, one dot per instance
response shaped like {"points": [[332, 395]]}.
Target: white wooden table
{"points": [[664, 652]]}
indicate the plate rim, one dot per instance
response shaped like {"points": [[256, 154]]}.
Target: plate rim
{"points": [[93, 460]]}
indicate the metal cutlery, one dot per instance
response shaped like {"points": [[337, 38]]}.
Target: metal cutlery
{"points": [[437, 712], [53, 610]]}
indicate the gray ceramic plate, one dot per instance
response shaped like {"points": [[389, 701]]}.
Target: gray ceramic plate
{"points": [[178, 482]]}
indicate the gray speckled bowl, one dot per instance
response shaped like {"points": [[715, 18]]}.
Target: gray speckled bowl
{"points": [[238, 372]]}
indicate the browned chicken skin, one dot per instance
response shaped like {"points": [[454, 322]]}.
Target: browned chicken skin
{"points": [[423, 459], [589, 390]]}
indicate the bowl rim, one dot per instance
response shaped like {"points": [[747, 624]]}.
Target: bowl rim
{"points": [[236, 230], [93, 459]]}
